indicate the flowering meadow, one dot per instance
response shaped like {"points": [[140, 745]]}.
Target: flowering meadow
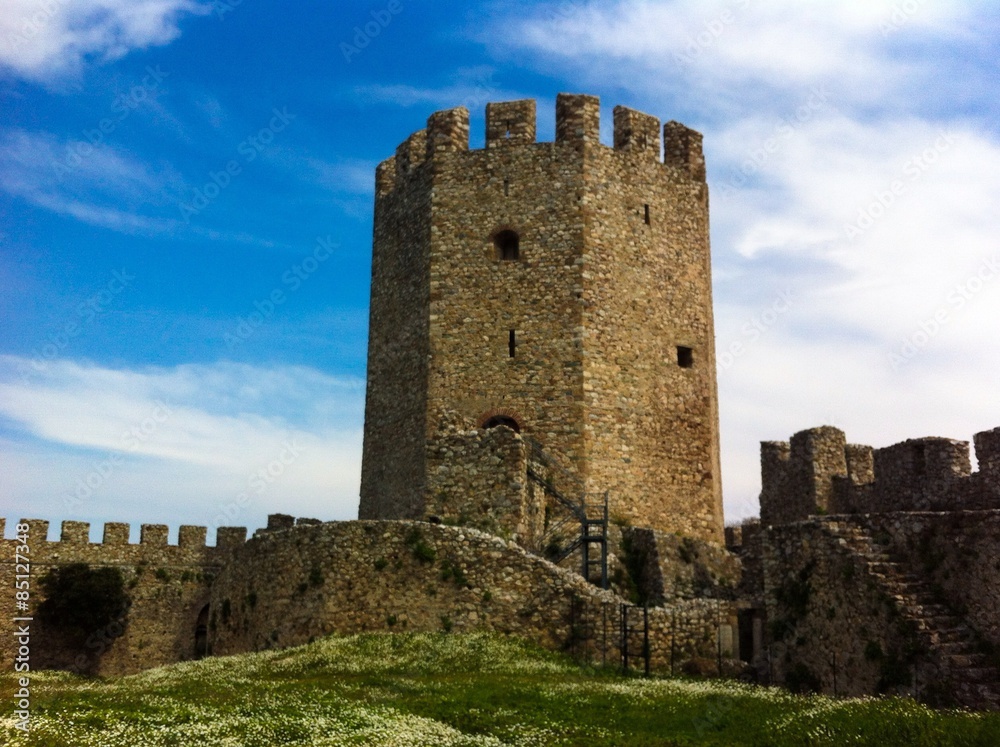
{"points": [[415, 690]]}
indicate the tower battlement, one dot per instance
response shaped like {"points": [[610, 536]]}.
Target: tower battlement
{"points": [[578, 123]]}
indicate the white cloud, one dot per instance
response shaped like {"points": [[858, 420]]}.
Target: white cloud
{"points": [[44, 40], [188, 440]]}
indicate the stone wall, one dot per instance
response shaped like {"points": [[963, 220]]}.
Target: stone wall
{"points": [[831, 626], [479, 478], [593, 334], [168, 586], [290, 586]]}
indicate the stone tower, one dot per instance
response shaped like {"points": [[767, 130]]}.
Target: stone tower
{"points": [[562, 289]]}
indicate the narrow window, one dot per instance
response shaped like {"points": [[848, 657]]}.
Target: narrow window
{"points": [[685, 357], [646, 210], [506, 187], [508, 129], [919, 460], [508, 245], [511, 343]]}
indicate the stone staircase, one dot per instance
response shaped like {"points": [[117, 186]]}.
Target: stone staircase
{"points": [[952, 647]]}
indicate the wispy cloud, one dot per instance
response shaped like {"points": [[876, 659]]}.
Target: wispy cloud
{"points": [[106, 431], [45, 40]]}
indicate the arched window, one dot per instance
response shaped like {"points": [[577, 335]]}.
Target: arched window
{"points": [[508, 245], [496, 420]]}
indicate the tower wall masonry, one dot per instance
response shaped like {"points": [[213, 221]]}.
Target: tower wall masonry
{"points": [[568, 282]]}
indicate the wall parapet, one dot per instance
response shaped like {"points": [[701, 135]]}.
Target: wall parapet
{"points": [[578, 123], [818, 472]]}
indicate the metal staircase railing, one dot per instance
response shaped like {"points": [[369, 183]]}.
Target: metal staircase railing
{"points": [[590, 515]]}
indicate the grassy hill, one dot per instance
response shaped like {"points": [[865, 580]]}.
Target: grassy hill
{"points": [[439, 689]]}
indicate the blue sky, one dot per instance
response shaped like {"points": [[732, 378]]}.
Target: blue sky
{"points": [[185, 222]]}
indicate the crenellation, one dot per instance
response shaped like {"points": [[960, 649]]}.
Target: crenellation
{"points": [[385, 177], [277, 522], [578, 119], [154, 535], [510, 123], [411, 153], [192, 537], [637, 132], [230, 538], [116, 534], [682, 148], [988, 454], [75, 532], [38, 529], [448, 131]]}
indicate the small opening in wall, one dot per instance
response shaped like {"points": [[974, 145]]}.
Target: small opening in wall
{"points": [[502, 420], [507, 126], [645, 210], [508, 245], [919, 460], [512, 343], [685, 357], [506, 187]]}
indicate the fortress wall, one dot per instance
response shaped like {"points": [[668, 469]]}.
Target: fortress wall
{"points": [[167, 584], [288, 587], [505, 334]]}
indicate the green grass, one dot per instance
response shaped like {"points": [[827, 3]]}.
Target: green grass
{"points": [[436, 690]]}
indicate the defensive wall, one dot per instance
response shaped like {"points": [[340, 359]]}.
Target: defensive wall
{"points": [[879, 569], [300, 579], [168, 586], [562, 287]]}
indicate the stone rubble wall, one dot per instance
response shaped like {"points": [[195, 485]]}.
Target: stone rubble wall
{"points": [[291, 586]]}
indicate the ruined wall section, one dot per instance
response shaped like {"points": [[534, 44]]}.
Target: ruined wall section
{"points": [[393, 469], [288, 587], [649, 344], [168, 586], [479, 479]]}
